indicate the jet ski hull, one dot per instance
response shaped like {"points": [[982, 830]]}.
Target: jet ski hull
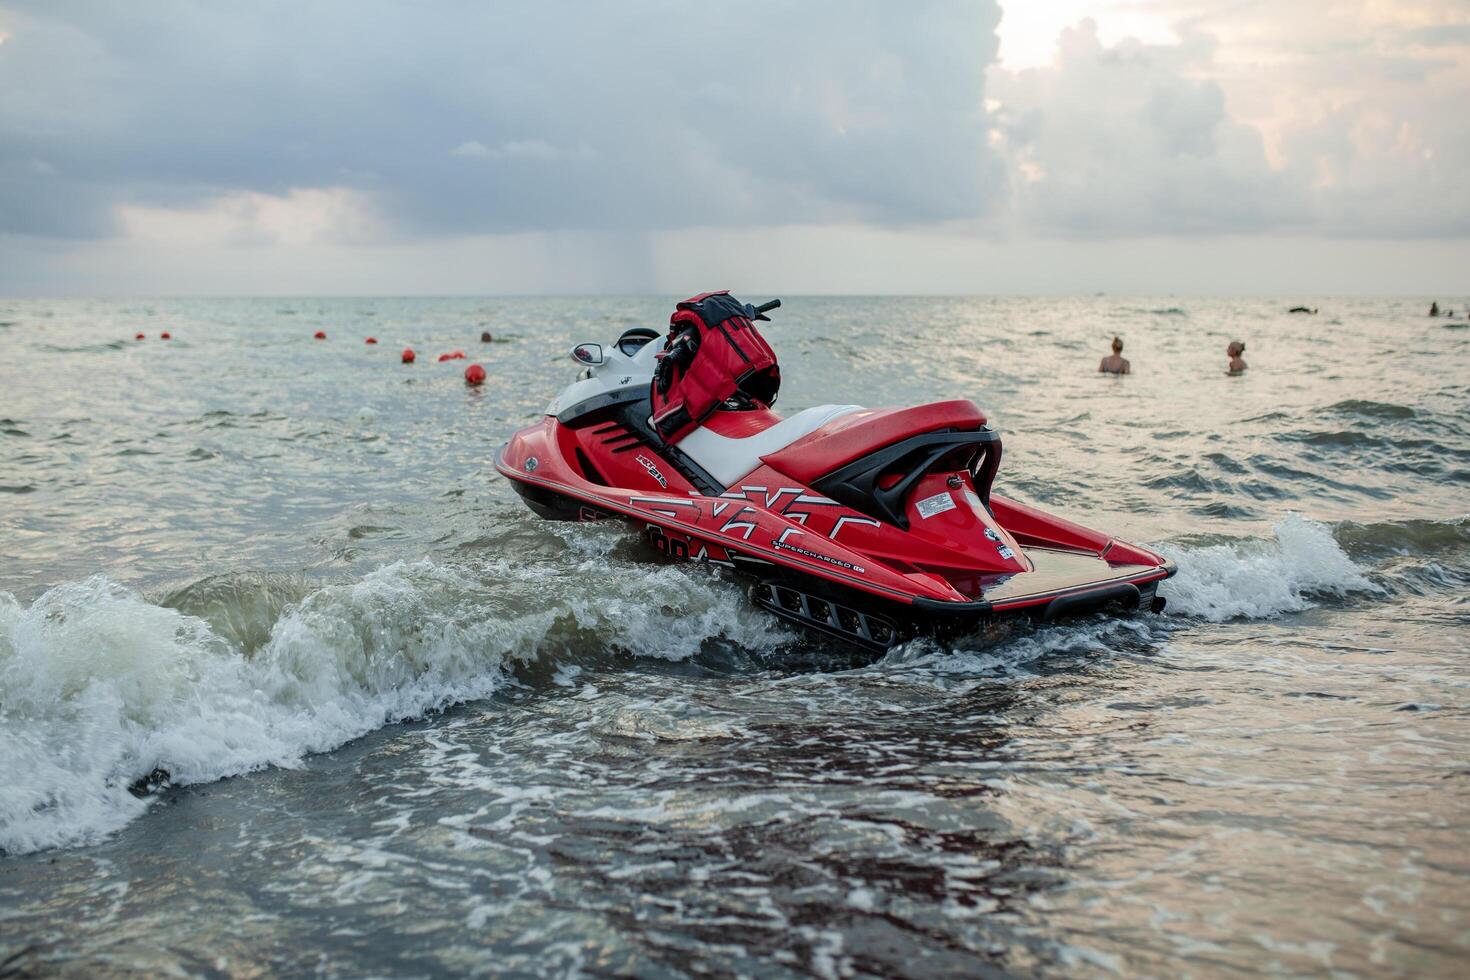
{"points": [[812, 581]]}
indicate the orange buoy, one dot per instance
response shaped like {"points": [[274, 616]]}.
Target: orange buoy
{"points": [[320, 335], [165, 336], [139, 336], [474, 375], [371, 340], [408, 355]]}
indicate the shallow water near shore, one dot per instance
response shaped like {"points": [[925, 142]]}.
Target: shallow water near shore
{"points": [[411, 730]]}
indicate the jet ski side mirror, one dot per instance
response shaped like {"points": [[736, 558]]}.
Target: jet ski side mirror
{"points": [[587, 353]]}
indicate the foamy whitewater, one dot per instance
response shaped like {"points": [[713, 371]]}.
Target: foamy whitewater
{"points": [[282, 659]]}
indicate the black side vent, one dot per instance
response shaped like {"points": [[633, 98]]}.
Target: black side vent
{"points": [[854, 625], [615, 438], [625, 444]]}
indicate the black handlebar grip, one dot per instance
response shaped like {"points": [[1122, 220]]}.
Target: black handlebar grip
{"points": [[767, 307]]}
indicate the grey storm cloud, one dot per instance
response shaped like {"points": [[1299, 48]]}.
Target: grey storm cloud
{"points": [[472, 117], [456, 119]]}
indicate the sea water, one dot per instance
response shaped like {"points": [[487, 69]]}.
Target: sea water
{"points": [[291, 682]]}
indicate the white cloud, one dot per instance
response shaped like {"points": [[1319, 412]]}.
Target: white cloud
{"points": [[1120, 140], [302, 216], [527, 149], [1029, 28], [1256, 119], [470, 148]]}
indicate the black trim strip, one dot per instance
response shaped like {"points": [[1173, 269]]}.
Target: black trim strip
{"points": [[578, 415]]}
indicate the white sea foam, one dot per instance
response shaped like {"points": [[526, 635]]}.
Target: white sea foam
{"points": [[98, 686], [1255, 579]]}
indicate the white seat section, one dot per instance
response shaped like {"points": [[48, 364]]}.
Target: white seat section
{"points": [[727, 460]]}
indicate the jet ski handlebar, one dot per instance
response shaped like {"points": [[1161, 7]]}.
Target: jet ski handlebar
{"points": [[759, 312]]}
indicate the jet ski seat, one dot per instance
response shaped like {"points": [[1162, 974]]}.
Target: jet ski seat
{"points": [[857, 434], [730, 444]]}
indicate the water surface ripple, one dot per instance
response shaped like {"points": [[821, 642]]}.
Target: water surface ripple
{"points": [[407, 729]]}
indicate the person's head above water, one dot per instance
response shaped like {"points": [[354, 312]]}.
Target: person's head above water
{"points": [[1115, 363], [1233, 351]]}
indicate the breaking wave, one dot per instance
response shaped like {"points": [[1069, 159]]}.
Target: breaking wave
{"points": [[103, 692], [1257, 579]]}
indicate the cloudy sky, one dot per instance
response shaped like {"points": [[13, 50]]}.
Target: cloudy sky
{"points": [[386, 146]]}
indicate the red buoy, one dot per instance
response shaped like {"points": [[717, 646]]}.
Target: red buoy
{"points": [[139, 336], [474, 375], [320, 335], [371, 340], [408, 355], [458, 355], [165, 336]]}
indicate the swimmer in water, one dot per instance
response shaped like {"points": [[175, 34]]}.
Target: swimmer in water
{"points": [[1115, 363], [1434, 308], [1236, 348]]}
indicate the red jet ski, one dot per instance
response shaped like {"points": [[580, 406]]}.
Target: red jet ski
{"points": [[871, 525]]}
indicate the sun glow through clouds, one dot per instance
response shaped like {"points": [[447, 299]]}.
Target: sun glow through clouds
{"points": [[1028, 31]]}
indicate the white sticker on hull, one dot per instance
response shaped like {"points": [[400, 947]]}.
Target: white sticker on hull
{"points": [[937, 504]]}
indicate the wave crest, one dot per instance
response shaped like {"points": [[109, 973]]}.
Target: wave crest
{"points": [[1257, 579], [99, 688]]}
